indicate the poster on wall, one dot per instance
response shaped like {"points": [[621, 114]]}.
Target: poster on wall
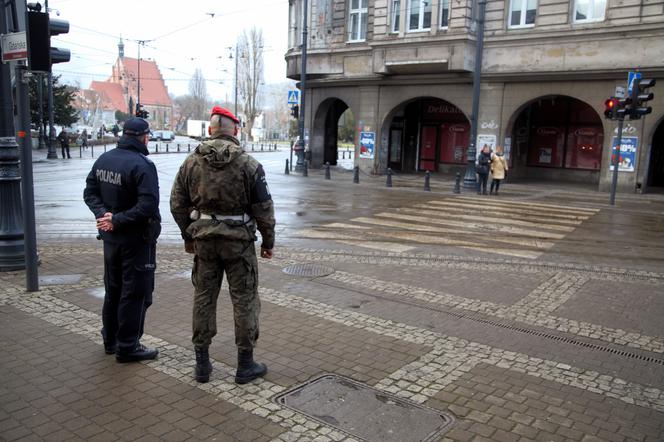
{"points": [[627, 159], [486, 140], [367, 144], [507, 148], [545, 154]]}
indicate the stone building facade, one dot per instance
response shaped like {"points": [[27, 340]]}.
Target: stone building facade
{"points": [[405, 67]]}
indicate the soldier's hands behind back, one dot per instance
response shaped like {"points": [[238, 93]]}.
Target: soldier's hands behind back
{"points": [[189, 247]]}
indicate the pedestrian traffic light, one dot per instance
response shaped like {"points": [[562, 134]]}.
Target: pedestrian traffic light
{"points": [[611, 108], [640, 98], [40, 29], [295, 111], [142, 113]]}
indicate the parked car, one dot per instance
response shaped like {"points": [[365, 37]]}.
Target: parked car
{"points": [[167, 135], [155, 135]]}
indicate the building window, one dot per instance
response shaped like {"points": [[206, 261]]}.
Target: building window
{"points": [[419, 15], [357, 20], [522, 13], [444, 13], [396, 15], [589, 10]]}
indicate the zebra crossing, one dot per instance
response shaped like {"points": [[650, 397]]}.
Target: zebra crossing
{"points": [[504, 227]]}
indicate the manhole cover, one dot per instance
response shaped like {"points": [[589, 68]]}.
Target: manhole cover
{"points": [[308, 269], [365, 412], [59, 279]]}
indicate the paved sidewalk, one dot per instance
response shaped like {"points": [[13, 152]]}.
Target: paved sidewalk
{"points": [[530, 350]]}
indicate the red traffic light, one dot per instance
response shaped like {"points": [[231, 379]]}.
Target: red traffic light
{"points": [[611, 103]]}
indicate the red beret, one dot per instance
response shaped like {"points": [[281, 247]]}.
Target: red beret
{"points": [[218, 110]]}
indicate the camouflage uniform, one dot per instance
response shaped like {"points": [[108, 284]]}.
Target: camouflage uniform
{"points": [[220, 179]]}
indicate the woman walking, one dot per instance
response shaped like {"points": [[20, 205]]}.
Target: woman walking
{"points": [[498, 169], [482, 169]]}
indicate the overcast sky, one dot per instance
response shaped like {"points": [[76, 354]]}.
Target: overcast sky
{"points": [[180, 36]]}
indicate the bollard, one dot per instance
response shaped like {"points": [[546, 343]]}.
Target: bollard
{"points": [[178, 147], [287, 170], [156, 148], [92, 150], [188, 148], [388, 183], [356, 175], [104, 148], [305, 169], [252, 147], [343, 154], [80, 151], [427, 179], [166, 147], [457, 183], [327, 170]]}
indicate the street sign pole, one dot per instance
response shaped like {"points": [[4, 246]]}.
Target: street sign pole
{"points": [[30, 236], [616, 162]]}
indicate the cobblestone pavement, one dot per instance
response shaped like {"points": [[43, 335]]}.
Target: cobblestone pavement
{"points": [[525, 318]]}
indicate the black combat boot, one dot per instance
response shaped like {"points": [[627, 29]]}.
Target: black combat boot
{"points": [[203, 365], [140, 353], [247, 369]]}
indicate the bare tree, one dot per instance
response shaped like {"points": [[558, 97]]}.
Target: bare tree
{"points": [[198, 93], [250, 74]]}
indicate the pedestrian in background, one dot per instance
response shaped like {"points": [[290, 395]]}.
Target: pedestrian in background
{"points": [[84, 139], [219, 198], [498, 169], [63, 138], [122, 190], [482, 168]]}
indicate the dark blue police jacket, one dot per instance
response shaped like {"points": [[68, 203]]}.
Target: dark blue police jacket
{"points": [[124, 181]]}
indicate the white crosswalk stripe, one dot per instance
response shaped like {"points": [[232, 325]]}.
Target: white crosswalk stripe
{"points": [[504, 227]]}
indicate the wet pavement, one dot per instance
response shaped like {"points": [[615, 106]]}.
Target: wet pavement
{"points": [[532, 315]]}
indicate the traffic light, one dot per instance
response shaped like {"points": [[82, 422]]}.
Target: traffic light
{"points": [[611, 108], [640, 98], [40, 29], [142, 113], [295, 111]]}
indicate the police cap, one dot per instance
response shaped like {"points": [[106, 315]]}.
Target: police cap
{"points": [[218, 110], [136, 126]]}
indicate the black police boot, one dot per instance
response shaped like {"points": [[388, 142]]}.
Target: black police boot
{"points": [[203, 365], [140, 353], [247, 368]]}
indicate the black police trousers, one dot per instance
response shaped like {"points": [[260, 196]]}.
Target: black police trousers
{"points": [[129, 282]]}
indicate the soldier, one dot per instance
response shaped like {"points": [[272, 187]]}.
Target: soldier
{"points": [[219, 197], [122, 191]]}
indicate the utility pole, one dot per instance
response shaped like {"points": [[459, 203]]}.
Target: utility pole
{"points": [[299, 149], [470, 181], [40, 103], [12, 249], [52, 154]]}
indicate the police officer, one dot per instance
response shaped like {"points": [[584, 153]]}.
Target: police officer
{"points": [[218, 199], [122, 191]]}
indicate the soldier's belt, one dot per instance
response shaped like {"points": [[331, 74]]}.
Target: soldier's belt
{"points": [[245, 218]]}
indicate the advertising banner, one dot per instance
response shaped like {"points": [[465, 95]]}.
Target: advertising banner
{"points": [[367, 144], [627, 159]]}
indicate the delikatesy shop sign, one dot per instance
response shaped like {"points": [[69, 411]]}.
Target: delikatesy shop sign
{"points": [[14, 47], [367, 144]]}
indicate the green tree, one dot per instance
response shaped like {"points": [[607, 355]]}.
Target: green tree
{"points": [[64, 113], [120, 116]]}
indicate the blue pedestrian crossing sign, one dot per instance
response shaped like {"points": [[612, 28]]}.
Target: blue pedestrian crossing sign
{"points": [[631, 78], [293, 97]]}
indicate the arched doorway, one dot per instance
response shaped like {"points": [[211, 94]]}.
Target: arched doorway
{"points": [[327, 128], [656, 169], [556, 137], [425, 133]]}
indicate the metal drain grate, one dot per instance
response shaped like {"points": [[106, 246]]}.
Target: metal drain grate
{"points": [[308, 269], [364, 412]]}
